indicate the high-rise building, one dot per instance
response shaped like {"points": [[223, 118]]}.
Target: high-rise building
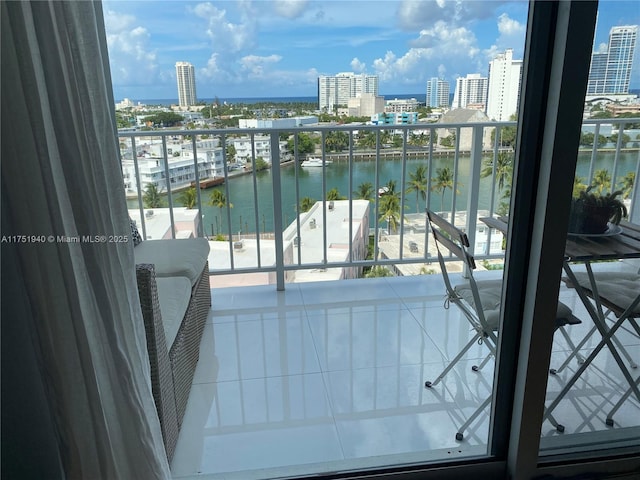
{"points": [[471, 90], [186, 77], [505, 78], [610, 71], [437, 93], [334, 91]]}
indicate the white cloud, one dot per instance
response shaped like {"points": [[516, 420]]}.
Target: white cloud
{"points": [[508, 27], [511, 35], [446, 39], [225, 35], [417, 14], [455, 47], [357, 66], [602, 48], [290, 8], [255, 65], [131, 58]]}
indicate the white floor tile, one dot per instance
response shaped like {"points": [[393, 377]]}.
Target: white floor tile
{"points": [[254, 424], [369, 339], [330, 376]]}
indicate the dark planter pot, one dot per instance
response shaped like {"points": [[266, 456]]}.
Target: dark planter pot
{"points": [[589, 219]]}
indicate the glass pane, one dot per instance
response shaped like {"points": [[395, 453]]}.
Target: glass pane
{"points": [[592, 392], [307, 141]]}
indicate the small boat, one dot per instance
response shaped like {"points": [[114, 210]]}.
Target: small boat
{"points": [[314, 162], [209, 182]]}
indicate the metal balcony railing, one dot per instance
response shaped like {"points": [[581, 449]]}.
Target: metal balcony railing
{"points": [[462, 170]]}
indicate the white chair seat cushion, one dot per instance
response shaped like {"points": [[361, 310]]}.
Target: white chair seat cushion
{"points": [[174, 258], [490, 292], [174, 294], [617, 288]]}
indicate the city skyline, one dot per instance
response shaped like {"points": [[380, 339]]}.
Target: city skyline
{"points": [[280, 48]]}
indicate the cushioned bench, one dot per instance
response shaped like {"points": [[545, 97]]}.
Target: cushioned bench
{"points": [[175, 296]]}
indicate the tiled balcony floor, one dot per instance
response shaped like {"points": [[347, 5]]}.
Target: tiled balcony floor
{"points": [[329, 377]]}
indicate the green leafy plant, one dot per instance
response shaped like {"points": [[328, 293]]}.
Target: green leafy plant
{"points": [[591, 211]]}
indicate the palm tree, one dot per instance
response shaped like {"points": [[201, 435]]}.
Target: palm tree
{"points": [[626, 184], [601, 180], [334, 194], [442, 181], [504, 169], [189, 197], [418, 184], [306, 203], [151, 197], [578, 186], [364, 191], [218, 199], [390, 210]]}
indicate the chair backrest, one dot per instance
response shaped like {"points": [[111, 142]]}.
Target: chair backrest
{"points": [[451, 239]]}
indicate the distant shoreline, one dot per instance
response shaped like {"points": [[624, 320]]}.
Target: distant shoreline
{"points": [[421, 97]]}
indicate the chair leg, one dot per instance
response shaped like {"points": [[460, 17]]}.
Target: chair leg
{"points": [[477, 368], [471, 419], [609, 420], [429, 384], [575, 353]]}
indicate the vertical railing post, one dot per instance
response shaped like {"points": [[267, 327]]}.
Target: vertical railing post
{"points": [[474, 184], [277, 209]]}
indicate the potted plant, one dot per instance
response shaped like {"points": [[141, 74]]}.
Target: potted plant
{"points": [[591, 212]]}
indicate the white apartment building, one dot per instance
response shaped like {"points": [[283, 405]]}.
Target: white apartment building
{"points": [[181, 170], [291, 122], [401, 105], [437, 93], [334, 91], [505, 77], [186, 78], [470, 90], [365, 105], [262, 145]]}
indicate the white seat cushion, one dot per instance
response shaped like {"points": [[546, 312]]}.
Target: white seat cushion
{"points": [[174, 258], [617, 288], [490, 292], [174, 294]]}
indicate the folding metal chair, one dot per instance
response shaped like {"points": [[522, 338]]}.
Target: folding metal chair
{"points": [[479, 301], [619, 293]]}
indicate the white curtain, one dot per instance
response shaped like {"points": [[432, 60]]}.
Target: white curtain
{"points": [[61, 178]]}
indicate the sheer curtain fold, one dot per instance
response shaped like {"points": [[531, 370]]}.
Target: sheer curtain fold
{"points": [[61, 179]]}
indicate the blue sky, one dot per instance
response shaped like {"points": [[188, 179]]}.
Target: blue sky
{"points": [[278, 48]]}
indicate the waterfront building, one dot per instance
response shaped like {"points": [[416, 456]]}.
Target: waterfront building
{"points": [[126, 103], [401, 105], [610, 71], [464, 115], [186, 78], [334, 91], [261, 146], [437, 93], [290, 122], [332, 227], [180, 163], [309, 241], [505, 77], [470, 90], [365, 105], [394, 118], [157, 222]]}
